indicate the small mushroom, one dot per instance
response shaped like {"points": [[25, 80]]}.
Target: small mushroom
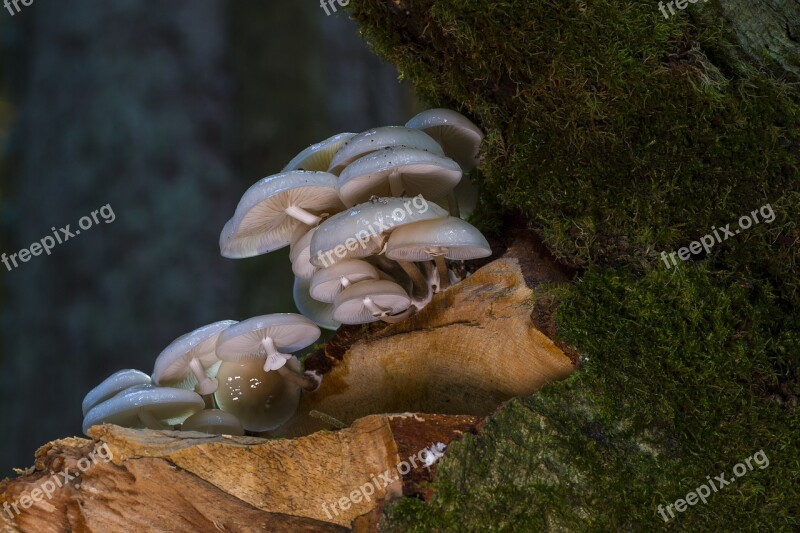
{"points": [[213, 422], [377, 138], [321, 313], [329, 282], [112, 385], [186, 361], [446, 238], [369, 301], [459, 136], [318, 156], [153, 407], [271, 210], [262, 338], [398, 171], [261, 400]]}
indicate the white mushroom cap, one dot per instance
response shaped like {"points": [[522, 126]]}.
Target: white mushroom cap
{"points": [[115, 383], [185, 362], [261, 400], [378, 138], [318, 156], [398, 171], [213, 422], [329, 282], [450, 237], [260, 338], [145, 402], [458, 135], [321, 313], [272, 208], [369, 300], [300, 256], [361, 230]]}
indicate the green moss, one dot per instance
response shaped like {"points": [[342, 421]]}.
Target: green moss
{"points": [[620, 134]]}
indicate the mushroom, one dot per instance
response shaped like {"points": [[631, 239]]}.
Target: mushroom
{"points": [[369, 301], [329, 282], [318, 156], [261, 400], [153, 407], [361, 231], [398, 171], [271, 210], [321, 313], [377, 138], [440, 239], [300, 256], [458, 136], [261, 338], [185, 362], [213, 422], [115, 383]]}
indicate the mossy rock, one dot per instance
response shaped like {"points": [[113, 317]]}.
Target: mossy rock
{"points": [[620, 134]]}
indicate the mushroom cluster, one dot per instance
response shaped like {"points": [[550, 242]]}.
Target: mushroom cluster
{"points": [[367, 242], [367, 239], [223, 378]]}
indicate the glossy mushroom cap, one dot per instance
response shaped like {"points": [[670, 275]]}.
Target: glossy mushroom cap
{"points": [[450, 237], [213, 422], [115, 383], [367, 301], [300, 256], [361, 231], [377, 138], [184, 363], [329, 282], [271, 210], [459, 137], [132, 406], [318, 156], [261, 400], [263, 338], [398, 171], [321, 313]]}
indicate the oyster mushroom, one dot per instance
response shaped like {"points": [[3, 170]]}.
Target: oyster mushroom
{"points": [[261, 400], [153, 407], [369, 301], [458, 136], [186, 361], [329, 282], [265, 338], [398, 171], [318, 156], [270, 211], [112, 385], [213, 422], [437, 240], [377, 138], [319, 312]]}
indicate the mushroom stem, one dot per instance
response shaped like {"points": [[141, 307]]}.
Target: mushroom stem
{"points": [[150, 421], [302, 215], [420, 288], [344, 281], [375, 309], [275, 359], [205, 384], [444, 275], [304, 381], [396, 184], [452, 203]]}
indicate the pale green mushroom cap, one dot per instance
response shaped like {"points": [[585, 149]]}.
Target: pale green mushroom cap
{"points": [[318, 156]]}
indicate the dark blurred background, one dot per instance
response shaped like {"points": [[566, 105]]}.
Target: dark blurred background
{"points": [[167, 111]]}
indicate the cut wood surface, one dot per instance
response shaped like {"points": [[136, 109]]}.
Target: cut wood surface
{"points": [[185, 481]]}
